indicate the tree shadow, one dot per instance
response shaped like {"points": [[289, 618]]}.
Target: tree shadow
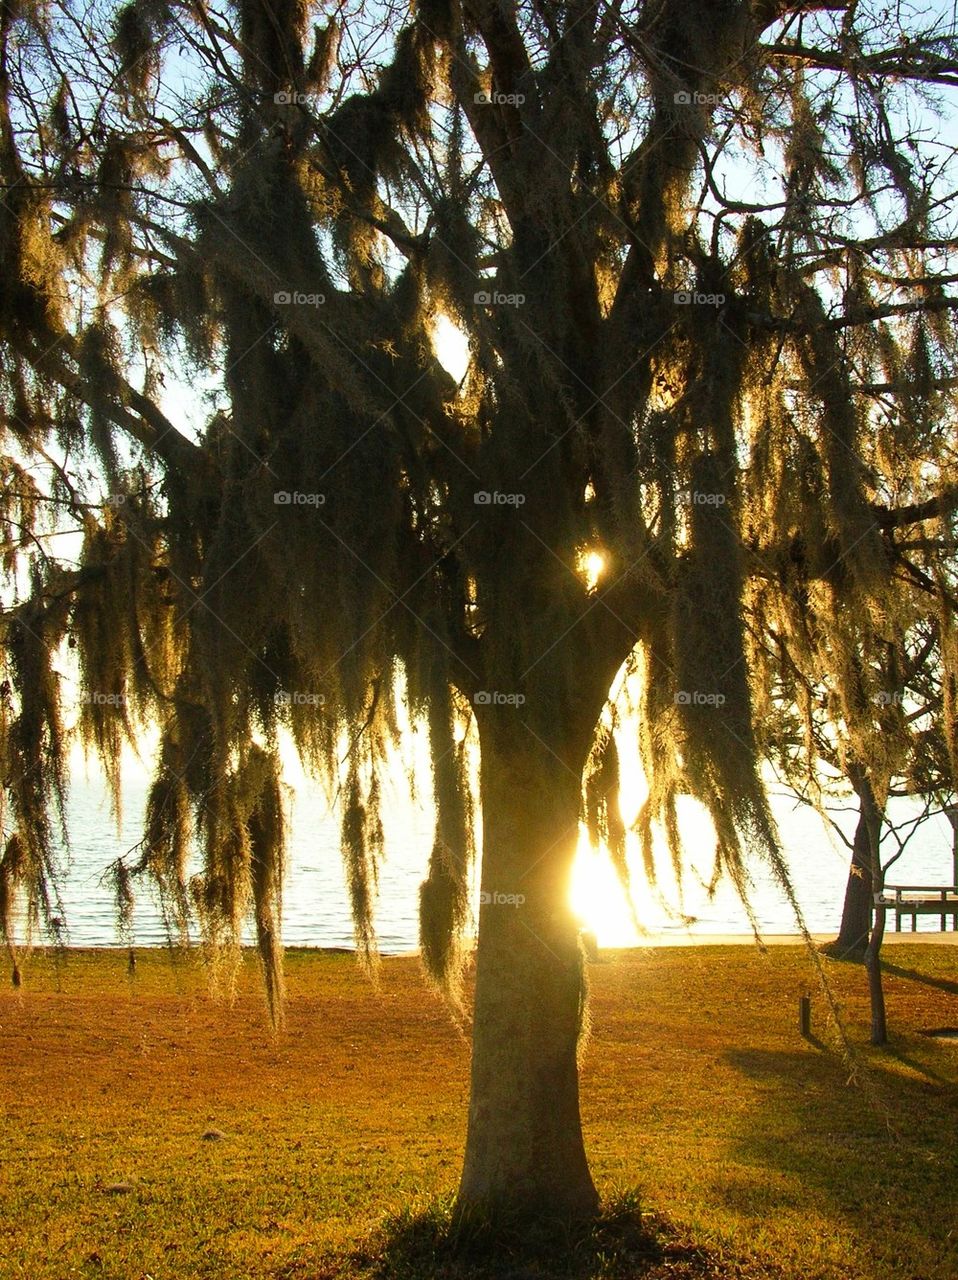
{"points": [[942, 984], [920, 1068], [851, 953], [624, 1243], [862, 1152]]}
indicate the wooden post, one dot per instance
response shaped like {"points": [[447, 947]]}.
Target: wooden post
{"points": [[805, 1016]]}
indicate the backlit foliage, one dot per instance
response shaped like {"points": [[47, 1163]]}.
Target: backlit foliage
{"points": [[702, 253]]}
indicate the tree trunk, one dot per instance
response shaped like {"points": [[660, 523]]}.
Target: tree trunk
{"points": [[853, 933], [876, 992], [524, 1150], [871, 814]]}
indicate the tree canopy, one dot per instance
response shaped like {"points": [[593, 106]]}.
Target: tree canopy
{"points": [[703, 255]]}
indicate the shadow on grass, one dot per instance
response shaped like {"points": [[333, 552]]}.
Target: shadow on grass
{"points": [[815, 1091], [625, 1243], [879, 1158], [853, 953], [919, 1068], [943, 984]]}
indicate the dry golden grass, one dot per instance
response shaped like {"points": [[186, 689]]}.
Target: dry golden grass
{"points": [[697, 1089]]}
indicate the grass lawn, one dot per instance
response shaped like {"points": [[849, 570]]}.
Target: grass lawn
{"points": [[151, 1131]]}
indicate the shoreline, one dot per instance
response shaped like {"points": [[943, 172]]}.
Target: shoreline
{"points": [[779, 939], [652, 942]]}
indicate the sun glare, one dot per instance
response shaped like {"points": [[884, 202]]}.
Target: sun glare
{"points": [[598, 900], [451, 346], [591, 566]]}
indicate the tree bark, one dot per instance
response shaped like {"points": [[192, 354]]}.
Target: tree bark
{"points": [[871, 813], [524, 1149], [876, 991], [853, 932]]}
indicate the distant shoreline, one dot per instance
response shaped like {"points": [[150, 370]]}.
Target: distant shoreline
{"points": [[653, 942]]}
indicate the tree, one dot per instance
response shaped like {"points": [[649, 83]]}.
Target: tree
{"points": [[822, 756], [670, 377], [855, 703]]}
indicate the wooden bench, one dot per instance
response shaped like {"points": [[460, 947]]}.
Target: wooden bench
{"points": [[919, 900]]}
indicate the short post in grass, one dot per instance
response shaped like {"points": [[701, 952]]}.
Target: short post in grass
{"points": [[805, 1015]]}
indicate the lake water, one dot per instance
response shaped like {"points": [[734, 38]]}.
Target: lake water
{"points": [[316, 911]]}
